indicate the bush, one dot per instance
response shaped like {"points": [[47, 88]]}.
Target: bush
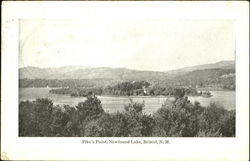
{"points": [[35, 118], [180, 118], [107, 125], [176, 118], [90, 108]]}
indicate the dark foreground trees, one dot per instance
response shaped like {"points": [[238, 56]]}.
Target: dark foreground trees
{"points": [[176, 118]]}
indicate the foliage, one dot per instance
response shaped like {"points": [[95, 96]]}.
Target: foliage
{"points": [[136, 88], [35, 118], [90, 108], [176, 118], [63, 83], [210, 78], [217, 78], [86, 91], [127, 88], [180, 118]]}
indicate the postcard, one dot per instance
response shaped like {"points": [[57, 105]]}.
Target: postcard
{"points": [[125, 81]]}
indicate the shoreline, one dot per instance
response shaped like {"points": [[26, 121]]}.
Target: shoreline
{"points": [[122, 96], [199, 89]]}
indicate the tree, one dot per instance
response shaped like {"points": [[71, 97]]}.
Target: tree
{"points": [[35, 117]]}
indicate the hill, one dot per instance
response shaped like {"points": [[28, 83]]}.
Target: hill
{"points": [[219, 75], [217, 78], [88, 73], [83, 72], [217, 65]]}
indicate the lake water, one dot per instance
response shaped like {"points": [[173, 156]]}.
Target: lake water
{"points": [[113, 104]]}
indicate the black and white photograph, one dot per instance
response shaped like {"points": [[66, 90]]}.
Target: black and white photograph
{"points": [[125, 80]]}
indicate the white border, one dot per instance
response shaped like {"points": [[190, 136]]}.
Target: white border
{"points": [[72, 148]]}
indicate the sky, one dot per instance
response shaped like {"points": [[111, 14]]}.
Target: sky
{"points": [[142, 44]]}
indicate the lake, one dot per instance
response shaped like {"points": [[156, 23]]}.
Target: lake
{"points": [[113, 104]]}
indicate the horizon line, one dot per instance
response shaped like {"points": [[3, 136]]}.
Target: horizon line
{"points": [[79, 65]]}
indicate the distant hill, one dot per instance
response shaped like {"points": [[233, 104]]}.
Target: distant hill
{"points": [[88, 73], [47, 73], [218, 65], [217, 78], [83, 72]]}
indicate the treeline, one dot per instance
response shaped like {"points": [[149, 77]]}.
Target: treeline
{"points": [[172, 91], [134, 88], [56, 83], [77, 92], [207, 78], [178, 118], [120, 89], [152, 90], [128, 88]]}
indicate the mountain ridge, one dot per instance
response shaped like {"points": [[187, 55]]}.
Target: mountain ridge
{"points": [[225, 64], [86, 72]]}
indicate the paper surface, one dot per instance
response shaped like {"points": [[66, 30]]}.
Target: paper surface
{"points": [[15, 148]]}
